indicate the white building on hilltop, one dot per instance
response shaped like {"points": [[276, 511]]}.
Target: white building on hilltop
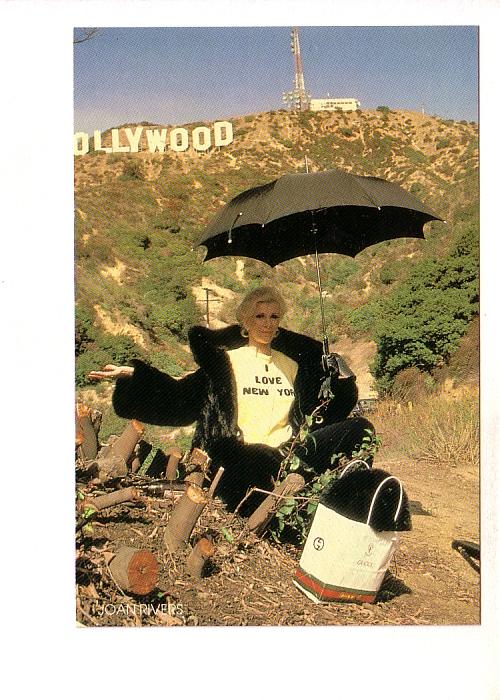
{"points": [[330, 104]]}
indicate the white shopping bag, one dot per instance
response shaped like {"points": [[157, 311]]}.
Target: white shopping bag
{"points": [[345, 560]]}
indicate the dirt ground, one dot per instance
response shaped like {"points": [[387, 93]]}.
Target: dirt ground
{"points": [[249, 581]]}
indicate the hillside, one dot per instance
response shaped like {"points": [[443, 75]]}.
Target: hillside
{"points": [[140, 284], [406, 309]]}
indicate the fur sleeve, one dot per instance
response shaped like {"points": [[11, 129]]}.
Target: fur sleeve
{"points": [[154, 397]]}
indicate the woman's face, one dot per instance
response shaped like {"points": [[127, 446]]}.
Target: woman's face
{"points": [[263, 324]]}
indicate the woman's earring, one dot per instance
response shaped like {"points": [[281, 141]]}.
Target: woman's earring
{"points": [[244, 332], [276, 334]]}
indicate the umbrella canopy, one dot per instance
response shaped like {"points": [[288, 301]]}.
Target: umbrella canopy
{"points": [[323, 212]]}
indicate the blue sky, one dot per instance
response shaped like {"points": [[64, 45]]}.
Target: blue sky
{"points": [[174, 75]]}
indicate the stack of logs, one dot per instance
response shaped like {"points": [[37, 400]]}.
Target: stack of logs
{"points": [[134, 570]]}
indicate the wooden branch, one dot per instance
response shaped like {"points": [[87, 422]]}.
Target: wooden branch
{"points": [[214, 483], [135, 570], [196, 562], [260, 518], [174, 454], [184, 516]]}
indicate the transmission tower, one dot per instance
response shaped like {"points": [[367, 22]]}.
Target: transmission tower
{"points": [[298, 98]]}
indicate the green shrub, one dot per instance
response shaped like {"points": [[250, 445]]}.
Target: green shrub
{"points": [[392, 270], [442, 143], [85, 331], [339, 271], [414, 156], [422, 321], [363, 319], [132, 169]]}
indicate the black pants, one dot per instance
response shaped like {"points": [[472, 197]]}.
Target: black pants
{"points": [[246, 466]]}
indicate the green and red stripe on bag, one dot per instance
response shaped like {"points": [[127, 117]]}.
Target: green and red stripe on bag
{"points": [[344, 560]]}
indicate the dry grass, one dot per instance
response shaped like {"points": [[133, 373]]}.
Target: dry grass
{"points": [[437, 429]]}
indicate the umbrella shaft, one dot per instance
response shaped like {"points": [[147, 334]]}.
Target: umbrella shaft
{"points": [[323, 323]]}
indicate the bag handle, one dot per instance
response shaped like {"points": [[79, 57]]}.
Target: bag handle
{"points": [[388, 478], [354, 461]]}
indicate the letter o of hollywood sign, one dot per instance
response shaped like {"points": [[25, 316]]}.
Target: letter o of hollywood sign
{"points": [[80, 143], [179, 139], [202, 138]]}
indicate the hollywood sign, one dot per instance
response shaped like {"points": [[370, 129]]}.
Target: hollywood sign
{"points": [[201, 139]]}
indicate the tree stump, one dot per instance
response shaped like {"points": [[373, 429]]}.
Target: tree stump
{"points": [[197, 560], [141, 451], [184, 516], [260, 518], [135, 570], [86, 435], [174, 454]]}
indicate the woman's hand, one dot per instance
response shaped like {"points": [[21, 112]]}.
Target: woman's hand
{"points": [[111, 372]]}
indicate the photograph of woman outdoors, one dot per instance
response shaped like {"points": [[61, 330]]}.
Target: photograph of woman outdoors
{"points": [[255, 384]]}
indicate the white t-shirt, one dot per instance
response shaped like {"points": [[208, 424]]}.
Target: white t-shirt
{"points": [[264, 388]]}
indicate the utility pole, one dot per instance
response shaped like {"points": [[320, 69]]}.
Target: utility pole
{"points": [[298, 98], [207, 300]]}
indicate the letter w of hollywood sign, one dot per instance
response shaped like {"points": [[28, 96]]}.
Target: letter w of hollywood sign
{"points": [[201, 139]]}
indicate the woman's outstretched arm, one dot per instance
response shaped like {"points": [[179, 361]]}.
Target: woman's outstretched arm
{"points": [[150, 396]]}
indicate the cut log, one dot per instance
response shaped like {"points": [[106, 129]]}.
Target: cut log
{"points": [[135, 570], [174, 454], [113, 460], [197, 560], [197, 464], [184, 516], [113, 498], [111, 467], [196, 478], [85, 432], [198, 458], [124, 446], [260, 518]]}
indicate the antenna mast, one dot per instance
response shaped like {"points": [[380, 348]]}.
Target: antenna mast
{"points": [[298, 98]]}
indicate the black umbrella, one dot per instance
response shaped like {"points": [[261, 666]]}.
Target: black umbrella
{"points": [[310, 213]]}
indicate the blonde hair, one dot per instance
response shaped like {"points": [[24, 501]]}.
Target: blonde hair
{"points": [[266, 295]]}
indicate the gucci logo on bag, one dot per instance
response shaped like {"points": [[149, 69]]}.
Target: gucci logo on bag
{"points": [[370, 549], [318, 543]]}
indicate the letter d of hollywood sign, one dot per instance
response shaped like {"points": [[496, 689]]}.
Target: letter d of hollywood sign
{"points": [[178, 139]]}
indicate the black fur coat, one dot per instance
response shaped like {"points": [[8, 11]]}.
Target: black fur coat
{"points": [[208, 395]]}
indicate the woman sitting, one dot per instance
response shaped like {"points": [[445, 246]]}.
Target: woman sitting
{"points": [[255, 385]]}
